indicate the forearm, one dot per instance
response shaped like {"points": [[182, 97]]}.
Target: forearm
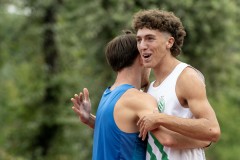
{"points": [[195, 128], [175, 140], [183, 142]]}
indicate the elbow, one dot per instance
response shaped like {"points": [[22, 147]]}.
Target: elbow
{"points": [[215, 134], [168, 142]]}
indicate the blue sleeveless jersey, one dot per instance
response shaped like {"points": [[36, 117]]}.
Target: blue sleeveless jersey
{"points": [[109, 142]]}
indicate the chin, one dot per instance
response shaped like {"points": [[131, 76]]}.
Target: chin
{"points": [[147, 65]]}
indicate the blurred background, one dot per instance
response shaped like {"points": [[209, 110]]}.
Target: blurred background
{"points": [[51, 49]]}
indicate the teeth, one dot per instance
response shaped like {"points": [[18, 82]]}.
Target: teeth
{"points": [[146, 55]]}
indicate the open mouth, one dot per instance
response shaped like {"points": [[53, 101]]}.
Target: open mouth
{"points": [[146, 56]]}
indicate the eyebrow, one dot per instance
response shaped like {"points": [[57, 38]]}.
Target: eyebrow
{"points": [[147, 35]]}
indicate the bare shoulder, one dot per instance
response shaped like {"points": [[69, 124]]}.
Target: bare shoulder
{"points": [[191, 75], [190, 83], [136, 98]]}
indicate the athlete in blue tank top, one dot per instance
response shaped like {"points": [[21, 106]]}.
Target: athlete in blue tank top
{"points": [[110, 143]]}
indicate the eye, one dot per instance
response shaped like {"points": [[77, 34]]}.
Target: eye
{"points": [[138, 40], [150, 38]]}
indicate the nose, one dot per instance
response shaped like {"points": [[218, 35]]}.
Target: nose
{"points": [[142, 45]]}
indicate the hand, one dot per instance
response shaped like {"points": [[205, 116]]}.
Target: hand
{"points": [[82, 106], [147, 123]]}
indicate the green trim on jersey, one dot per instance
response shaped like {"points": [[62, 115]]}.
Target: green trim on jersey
{"points": [[159, 146], [149, 150]]}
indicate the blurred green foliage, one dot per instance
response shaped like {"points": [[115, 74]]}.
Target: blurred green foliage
{"points": [[51, 49]]}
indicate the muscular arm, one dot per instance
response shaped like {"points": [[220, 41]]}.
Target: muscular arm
{"points": [[147, 105], [175, 140], [144, 105], [82, 107], [204, 126]]}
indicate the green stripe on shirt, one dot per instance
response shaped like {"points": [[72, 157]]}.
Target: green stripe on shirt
{"points": [[159, 146]]}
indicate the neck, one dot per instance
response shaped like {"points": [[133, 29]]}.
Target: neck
{"points": [[165, 68], [128, 76]]}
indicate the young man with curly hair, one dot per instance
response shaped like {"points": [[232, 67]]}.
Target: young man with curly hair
{"points": [[179, 88]]}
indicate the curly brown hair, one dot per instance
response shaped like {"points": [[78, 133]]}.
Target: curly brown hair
{"points": [[164, 22]]}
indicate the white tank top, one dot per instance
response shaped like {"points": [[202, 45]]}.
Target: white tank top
{"points": [[168, 103]]}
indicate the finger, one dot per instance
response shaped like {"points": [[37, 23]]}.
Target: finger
{"points": [[139, 121], [76, 110], [140, 132], [142, 123], [86, 94], [139, 135], [144, 134], [75, 102], [76, 97]]}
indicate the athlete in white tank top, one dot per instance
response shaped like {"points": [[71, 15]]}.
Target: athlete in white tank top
{"points": [[168, 103]]}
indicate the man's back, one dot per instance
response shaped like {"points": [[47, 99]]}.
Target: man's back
{"points": [[110, 142]]}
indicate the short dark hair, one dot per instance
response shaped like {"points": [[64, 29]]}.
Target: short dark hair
{"points": [[162, 21], [122, 51]]}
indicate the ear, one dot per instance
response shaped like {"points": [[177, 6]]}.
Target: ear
{"points": [[170, 42]]}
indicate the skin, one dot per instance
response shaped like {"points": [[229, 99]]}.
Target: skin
{"points": [[82, 107], [154, 47], [82, 103], [132, 106]]}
